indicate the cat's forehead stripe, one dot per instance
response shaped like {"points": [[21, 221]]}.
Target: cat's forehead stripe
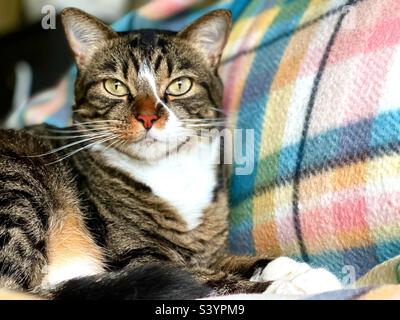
{"points": [[158, 63], [146, 74], [170, 67]]}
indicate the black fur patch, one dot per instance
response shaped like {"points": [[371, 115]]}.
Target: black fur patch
{"points": [[170, 67], [110, 66], [152, 282], [157, 63]]}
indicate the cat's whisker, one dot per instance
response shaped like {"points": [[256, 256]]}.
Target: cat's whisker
{"points": [[69, 137], [218, 110], [181, 132], [95, 122], [206, 122], [83, 148], [203, 123], [91, 128], [113, 144], [70, 145], [195, 132], [199, 121], [205, 119], [78, 110], [92, 125], [206, 125], [81, 130], [191, 134]]}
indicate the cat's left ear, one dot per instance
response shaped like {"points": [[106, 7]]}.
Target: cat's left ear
{"points": [[85, 34], [209, 34]]}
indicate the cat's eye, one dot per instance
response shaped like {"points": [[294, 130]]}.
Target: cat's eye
{"points": [[179, 87], [116, 87]]}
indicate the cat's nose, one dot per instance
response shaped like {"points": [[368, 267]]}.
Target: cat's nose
{"points": [[147, 120], [145, 111]]}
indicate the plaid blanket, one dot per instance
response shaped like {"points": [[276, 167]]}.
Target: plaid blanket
{"points": [[318, 83]]}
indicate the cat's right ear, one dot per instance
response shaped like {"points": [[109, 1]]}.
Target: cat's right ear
{"points": [[209, 34], [85, 34]]}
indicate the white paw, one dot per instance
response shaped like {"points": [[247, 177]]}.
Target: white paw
{"points": [[290, 277]]}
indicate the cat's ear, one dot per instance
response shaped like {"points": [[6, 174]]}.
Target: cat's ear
{"points": [[209, 34], [84, 33]]}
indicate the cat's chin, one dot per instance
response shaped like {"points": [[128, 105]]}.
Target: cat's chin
{"points": [[151, 149], [148, 142]]}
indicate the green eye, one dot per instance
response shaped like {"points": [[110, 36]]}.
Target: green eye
{"points": [[116, 87], [179, 87]]}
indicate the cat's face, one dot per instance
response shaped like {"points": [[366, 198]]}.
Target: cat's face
{"points": [[154, 89]]}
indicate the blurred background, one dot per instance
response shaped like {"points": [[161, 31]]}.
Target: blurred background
{"points": [[33, 58]]}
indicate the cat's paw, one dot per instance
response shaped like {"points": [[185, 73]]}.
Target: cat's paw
{"points": [[289, 277]]}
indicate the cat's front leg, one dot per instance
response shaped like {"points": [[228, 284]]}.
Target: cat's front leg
{"points": [[289, 277], [284, 275], [243, 266]]}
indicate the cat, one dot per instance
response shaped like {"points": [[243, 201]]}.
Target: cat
{"points": [[120, 205]]}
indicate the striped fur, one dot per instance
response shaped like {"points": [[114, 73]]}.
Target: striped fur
{"points": [[37, 205], [68, 215], [347, 209]]}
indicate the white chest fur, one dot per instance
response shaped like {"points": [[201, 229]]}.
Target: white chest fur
{"points": [[185, 180]]}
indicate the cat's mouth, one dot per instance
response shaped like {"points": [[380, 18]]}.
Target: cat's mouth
{"points": [[148, 140]]}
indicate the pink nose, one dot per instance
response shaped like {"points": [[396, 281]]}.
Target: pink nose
{"points": [[147, 120]]}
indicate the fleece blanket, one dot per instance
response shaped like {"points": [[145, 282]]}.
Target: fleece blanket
{"points": [[381, 283], [316, 83], [387, 292]]}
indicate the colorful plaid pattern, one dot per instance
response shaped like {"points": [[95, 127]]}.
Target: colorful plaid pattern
{"points": [[319, 82]]}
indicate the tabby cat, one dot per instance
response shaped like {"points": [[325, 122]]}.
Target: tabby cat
{"points": [[120, 205]]}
